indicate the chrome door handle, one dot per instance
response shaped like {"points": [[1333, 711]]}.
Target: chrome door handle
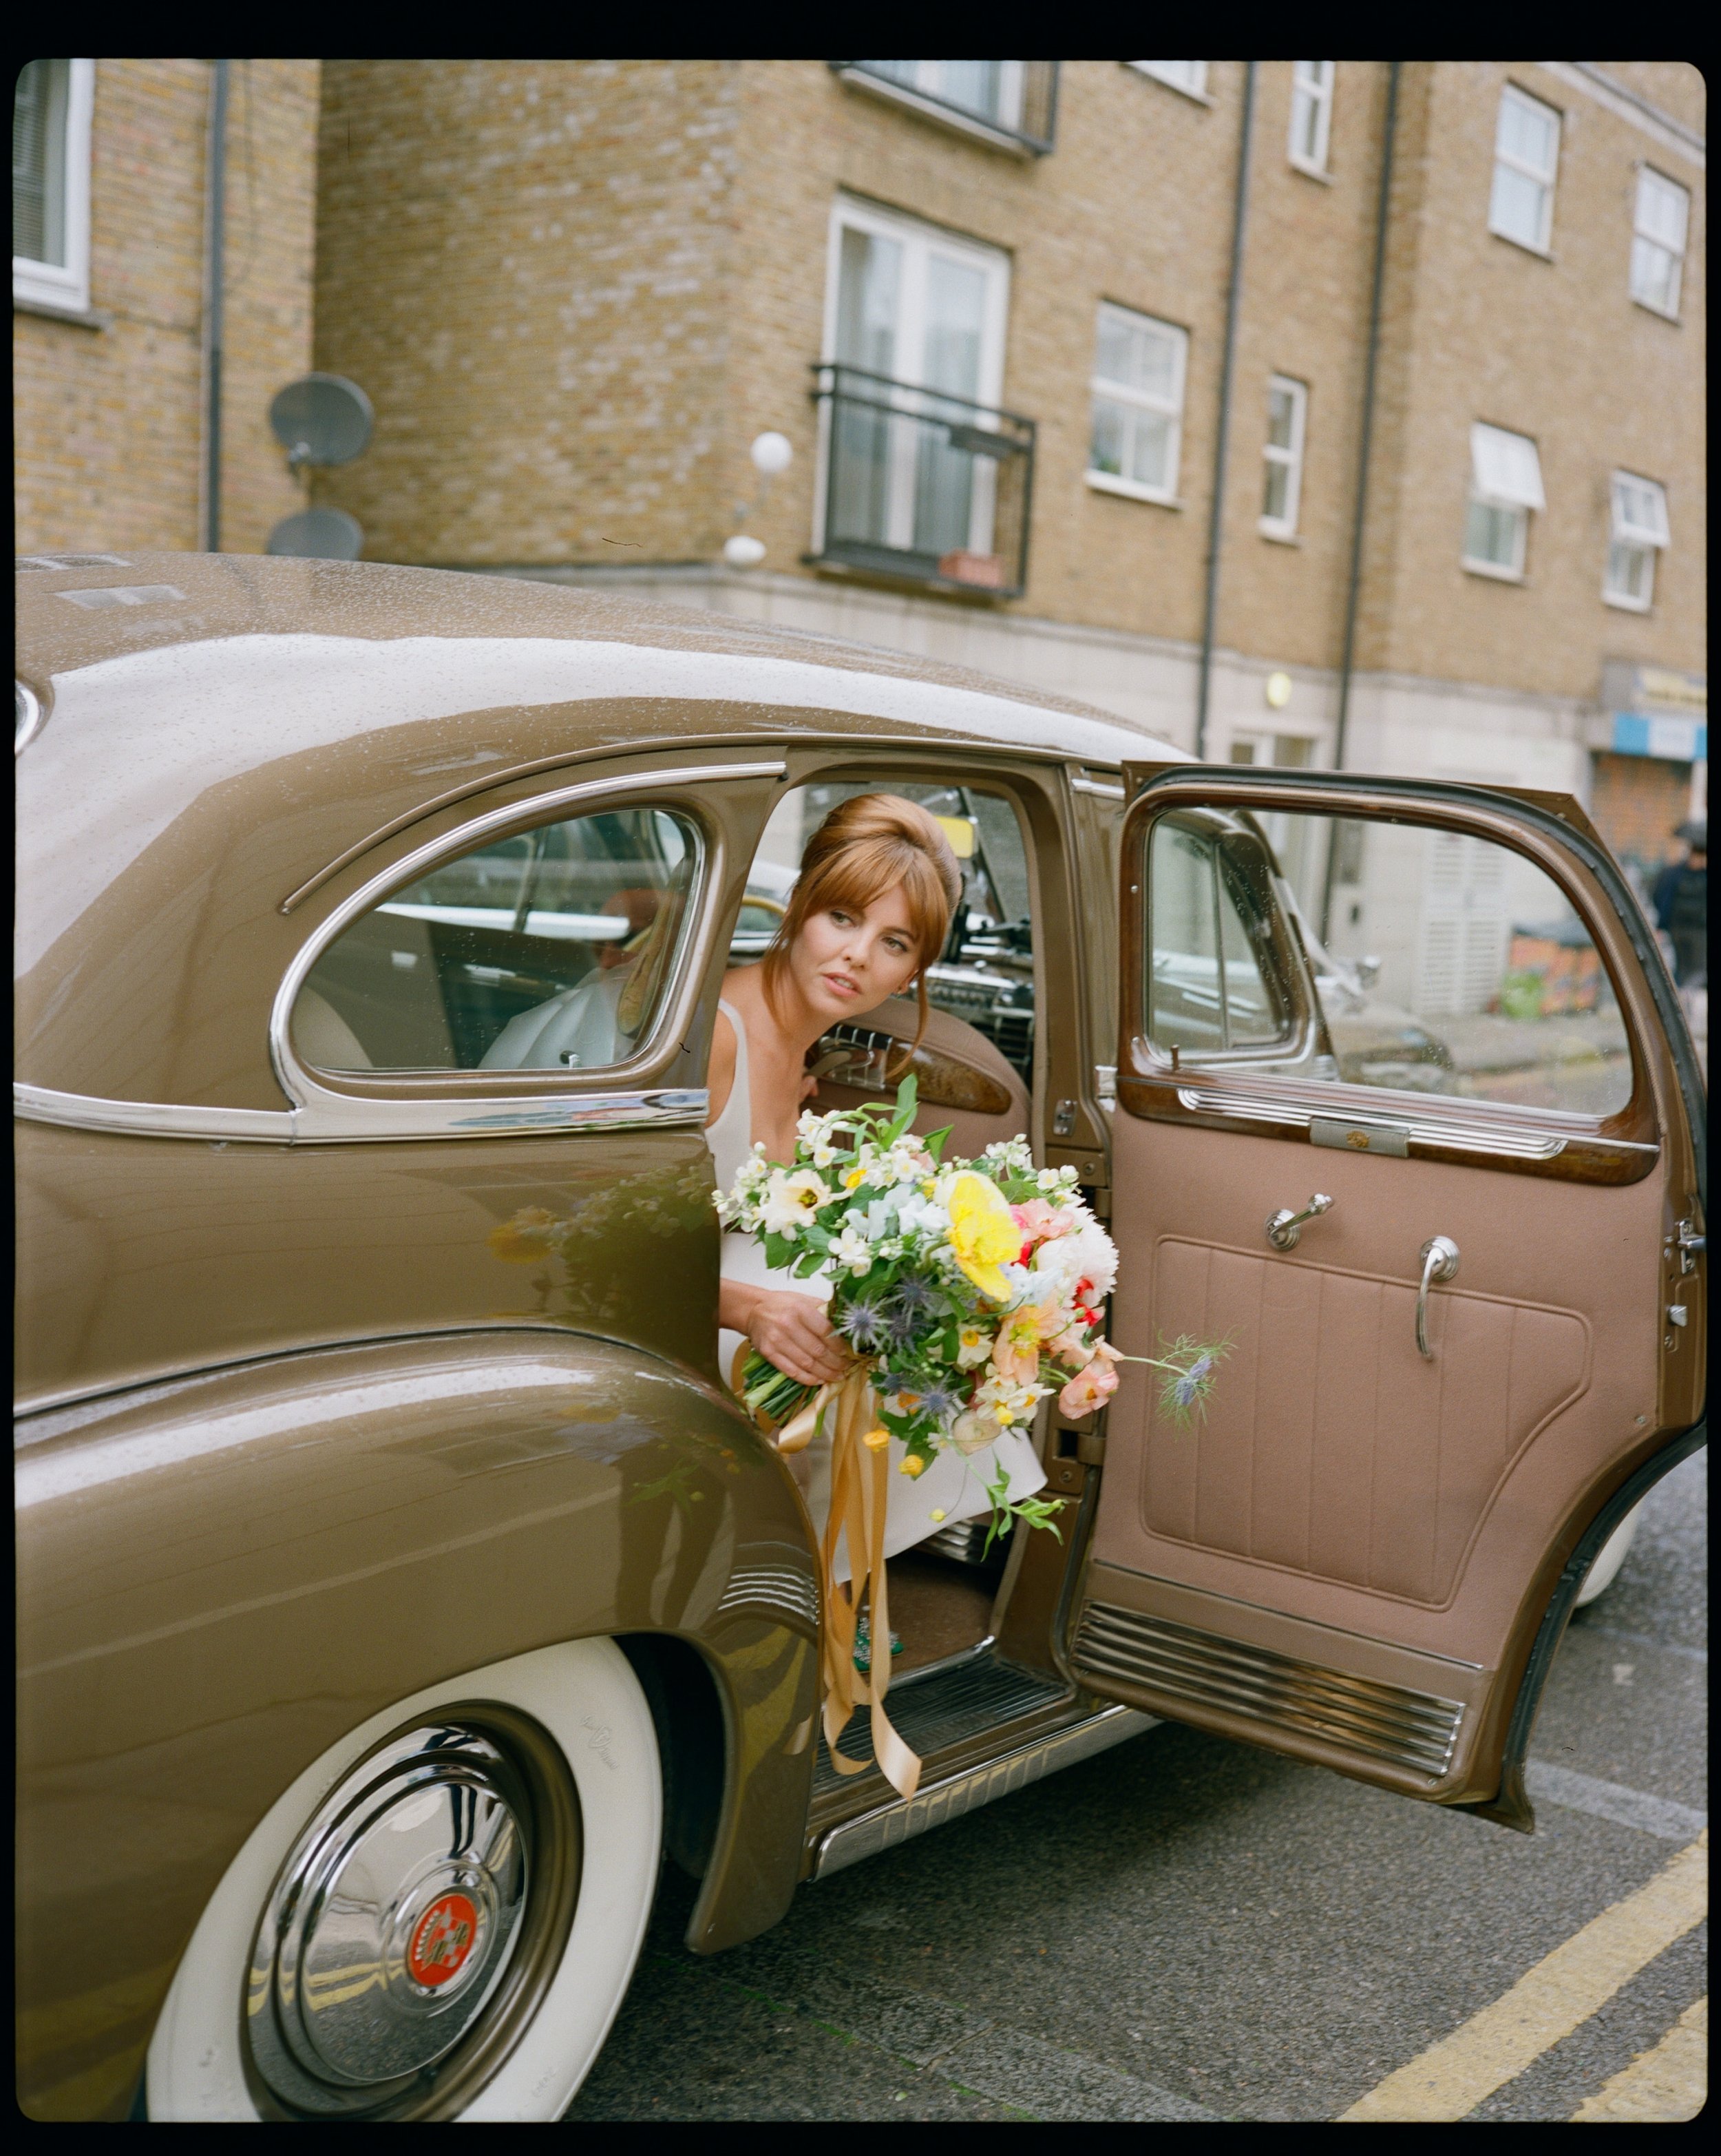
{"points": [[1440, 1262], [1284, 1226]]}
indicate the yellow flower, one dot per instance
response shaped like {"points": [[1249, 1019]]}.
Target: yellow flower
{"points": [[913, 1465], [937, 1515], [983, 1234], [855, 1178], [876, 1439]]}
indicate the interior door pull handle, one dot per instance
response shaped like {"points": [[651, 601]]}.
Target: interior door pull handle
{"points": [[1440, 1262], [1284, 1226]]}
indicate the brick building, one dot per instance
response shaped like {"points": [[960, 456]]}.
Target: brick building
{"points": [[110, 291], [989, 306]]}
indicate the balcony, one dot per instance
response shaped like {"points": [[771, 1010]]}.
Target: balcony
{"points": [[918, 486], [1011, 105]]}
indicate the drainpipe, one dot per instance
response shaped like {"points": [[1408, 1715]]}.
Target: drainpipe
{"points": [[1353, 593], [1215, 521], [215, 244]]}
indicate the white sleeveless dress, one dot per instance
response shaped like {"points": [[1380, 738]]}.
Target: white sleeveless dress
{"points": [[954, 1487]]}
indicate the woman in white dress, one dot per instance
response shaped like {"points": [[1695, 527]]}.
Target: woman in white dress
{"points": [[869, 912]]}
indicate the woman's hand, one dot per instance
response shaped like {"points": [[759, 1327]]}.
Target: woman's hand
{"points": [[793, 1331]]}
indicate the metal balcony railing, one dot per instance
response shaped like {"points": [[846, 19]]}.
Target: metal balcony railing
{"points": [[1010, 104], [922, 486]]}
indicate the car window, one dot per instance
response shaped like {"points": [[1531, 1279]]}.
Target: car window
{"points": [[1443, 963], [550, 950], [1211, 985], [984, 975]]}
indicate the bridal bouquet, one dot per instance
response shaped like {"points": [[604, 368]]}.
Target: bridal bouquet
{"points": [[970, 1290]]}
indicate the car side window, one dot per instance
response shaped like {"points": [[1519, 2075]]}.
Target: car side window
{"points": [[1212, 987], [550, 950], [1444, 963]]}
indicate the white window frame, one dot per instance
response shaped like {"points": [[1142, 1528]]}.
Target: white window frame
{"points": [[1493, 487], [928, 79], [1188, 78], [1645, 537], [51, 283], [1121, 392], [1319, 93], [1642, 237], [917, 241], [1285, 527], [1547, 181]]}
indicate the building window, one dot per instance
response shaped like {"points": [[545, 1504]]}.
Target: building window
{"points": [[1010, 104], [1282, 489], [1505, 486], [1139, 366], [921, 475], [1638, 532], [1190, 76], [1526, 157], [1658, 242], [50, 182], [1311, 112]]}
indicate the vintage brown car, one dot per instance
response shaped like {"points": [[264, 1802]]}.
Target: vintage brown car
{"points": [[399, 1585]]}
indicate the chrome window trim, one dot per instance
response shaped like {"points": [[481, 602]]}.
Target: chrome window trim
{"points": [[1094, 786], [320, 1112], [371, 1122], [1480, 1130]]}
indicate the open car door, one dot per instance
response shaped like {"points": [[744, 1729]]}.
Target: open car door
{"points": [[1407, 1112]]}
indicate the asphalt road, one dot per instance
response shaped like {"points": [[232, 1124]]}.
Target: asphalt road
{"points": [[1185, 1928]]}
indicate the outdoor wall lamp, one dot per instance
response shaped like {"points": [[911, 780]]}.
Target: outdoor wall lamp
{"points": [[771, 452]]}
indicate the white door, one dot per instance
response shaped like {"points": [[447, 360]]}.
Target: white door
{"points": [[915, 323]]}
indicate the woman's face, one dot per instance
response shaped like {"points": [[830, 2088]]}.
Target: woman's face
{"points": [[847, 959]]}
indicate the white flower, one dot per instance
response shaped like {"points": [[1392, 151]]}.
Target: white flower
{"points": [[923, 1216], [974, 1347], [1087, 1253], [792, 1200], [852, 1250], [971, 1431]]}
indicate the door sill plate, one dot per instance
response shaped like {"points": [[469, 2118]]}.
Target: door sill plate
{"points": [[966, 1791]]}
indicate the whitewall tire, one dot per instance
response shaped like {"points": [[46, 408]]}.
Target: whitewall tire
{"points": [[438, 1919], [1611, 1555]]}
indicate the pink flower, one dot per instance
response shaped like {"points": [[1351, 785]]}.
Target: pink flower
{"points": [[1015, 1353], [1073, 1346], [1094, 1385], [1040, 1223]]}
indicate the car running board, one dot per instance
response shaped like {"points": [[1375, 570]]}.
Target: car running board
{"points": [[966, 1791]]}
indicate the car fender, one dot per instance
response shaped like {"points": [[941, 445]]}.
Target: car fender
{"points": [[220, 1575]]}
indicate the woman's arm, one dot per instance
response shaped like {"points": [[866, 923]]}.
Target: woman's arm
{"points": [[789, 1329]]}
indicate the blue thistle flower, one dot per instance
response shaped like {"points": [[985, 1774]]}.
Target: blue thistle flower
{"points": [[862, 1323], [914, 1294]]}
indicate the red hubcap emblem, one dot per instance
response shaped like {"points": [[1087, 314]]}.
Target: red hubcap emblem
{"points": [[442, 1939]]}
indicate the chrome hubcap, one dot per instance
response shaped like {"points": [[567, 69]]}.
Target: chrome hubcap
{"points": [[392, 1925]]}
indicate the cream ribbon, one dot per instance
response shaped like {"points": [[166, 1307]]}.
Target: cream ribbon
{"points": [[860, 1494]]}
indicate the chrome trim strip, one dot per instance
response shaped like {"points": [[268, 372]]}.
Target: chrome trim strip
{"points": [[509, 775], [323, 1113], [1093, 786], [1462, 1137], [150, 1119], [1406, 1728], [371, 1122], [900, 1820]]}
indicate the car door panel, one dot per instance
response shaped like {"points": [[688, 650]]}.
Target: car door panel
{"points": [[1349, 1556]]}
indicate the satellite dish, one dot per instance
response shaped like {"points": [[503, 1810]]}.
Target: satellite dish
{"points": [[318, 535], [321, 419]]}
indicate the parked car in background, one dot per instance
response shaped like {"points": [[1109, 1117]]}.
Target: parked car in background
{"points": [[397, 1584]]}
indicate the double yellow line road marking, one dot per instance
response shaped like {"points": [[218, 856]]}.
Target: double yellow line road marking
{"points": [[1560, 1993]]}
